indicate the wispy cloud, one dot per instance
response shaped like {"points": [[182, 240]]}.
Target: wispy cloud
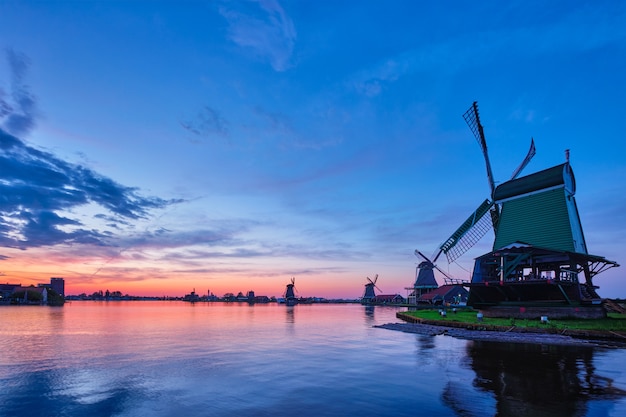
{"points": [[17, 112], [581, 29], [259, 126], [319, 130], [267, 31], [207, 123], [38, 192]]}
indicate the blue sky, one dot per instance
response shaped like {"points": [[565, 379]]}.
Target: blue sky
{"points": [[231, 145]]}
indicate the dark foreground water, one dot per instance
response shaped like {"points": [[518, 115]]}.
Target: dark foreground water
{"points": [[178, 359]]}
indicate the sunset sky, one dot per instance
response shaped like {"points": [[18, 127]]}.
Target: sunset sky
{"points": [[157, 147]]}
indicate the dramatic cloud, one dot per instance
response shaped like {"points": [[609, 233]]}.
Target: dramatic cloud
{"points": [[269, 34], [39, 191]]}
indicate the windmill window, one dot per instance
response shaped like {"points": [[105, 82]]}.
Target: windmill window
{"points": [[528, 273]]}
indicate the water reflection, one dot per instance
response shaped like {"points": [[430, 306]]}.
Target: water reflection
{"points": [[533, 380], [165, 359], [291, 318], [424, 343], [369, 315], [57, 394]]}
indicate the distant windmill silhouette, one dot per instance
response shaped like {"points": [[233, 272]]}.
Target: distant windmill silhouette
{"points": [[369, 294], [290, 293]]}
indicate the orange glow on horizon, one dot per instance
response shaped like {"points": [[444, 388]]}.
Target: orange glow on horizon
{"points": [[89, 274], [271, 288], [307, 286]]}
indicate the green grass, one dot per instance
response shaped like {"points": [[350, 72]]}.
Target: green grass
{"points": [[614, 322]]}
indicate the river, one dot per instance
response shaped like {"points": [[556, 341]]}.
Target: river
{"points": [[171, 358]]}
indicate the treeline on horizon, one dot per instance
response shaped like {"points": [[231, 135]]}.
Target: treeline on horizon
{"points": [[118, 296]]}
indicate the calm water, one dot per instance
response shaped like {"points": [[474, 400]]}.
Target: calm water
{"points": [[178, 359]]}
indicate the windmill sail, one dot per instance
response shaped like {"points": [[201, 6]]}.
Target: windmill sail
{"points": [[479, 223], [529, 156], [473, 121], [470, 232]]}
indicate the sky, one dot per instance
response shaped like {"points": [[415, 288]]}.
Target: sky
{"points": [[157, 147]]}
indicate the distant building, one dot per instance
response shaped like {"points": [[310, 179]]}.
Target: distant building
{"points": [[452, 294], [192, 297], [6, 290], [58, 285], [388, 299], [29, 295], [47, 294]]}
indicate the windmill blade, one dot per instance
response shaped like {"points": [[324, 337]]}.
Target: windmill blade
{"points": [[374, 283], [470, 232], [473, 121], [531, 152], [444, 273], [417, 252]]}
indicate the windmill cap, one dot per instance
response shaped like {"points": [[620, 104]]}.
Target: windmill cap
{"points": [[555, 177]]}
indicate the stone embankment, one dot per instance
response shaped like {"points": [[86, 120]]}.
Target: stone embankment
{"points": [[513, 334]]}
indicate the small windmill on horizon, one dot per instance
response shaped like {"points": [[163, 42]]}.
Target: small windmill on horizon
{"points": [[370, 290], [290, 293]]}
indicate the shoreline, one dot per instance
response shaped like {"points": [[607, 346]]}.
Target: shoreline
{"points": [[490, 333]]}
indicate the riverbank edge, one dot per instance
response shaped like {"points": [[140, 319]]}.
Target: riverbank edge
{"points": [[481, 331]]}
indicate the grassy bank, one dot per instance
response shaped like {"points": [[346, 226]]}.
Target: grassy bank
{"points": [[467, 318]]}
